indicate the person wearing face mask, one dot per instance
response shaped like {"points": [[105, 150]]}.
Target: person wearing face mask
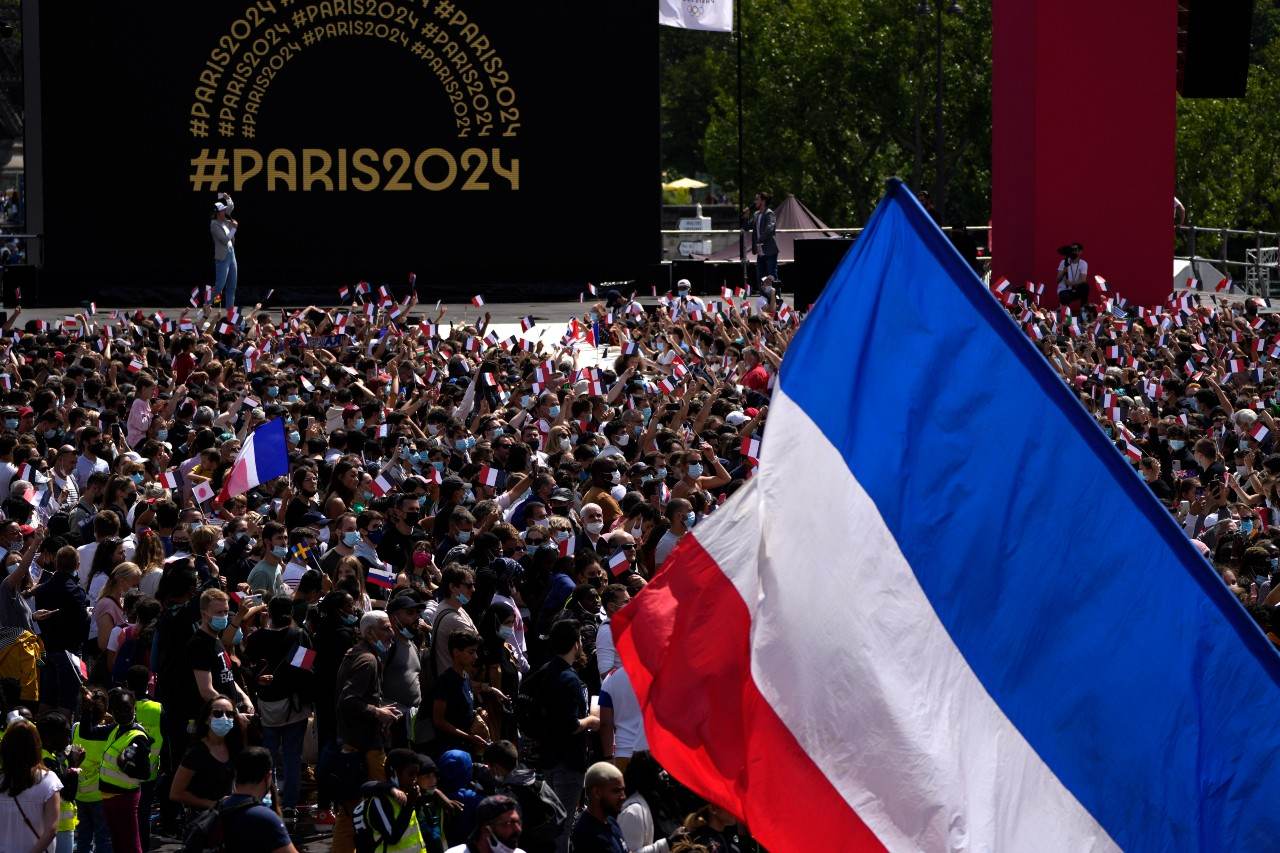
{"points": [[268, 574], [335, 635], [403, 534], [620, 441], [207, 663], [605, 474], [680, 515], [498, 828], [457, 585], [342, 543], [461, 529], [364, 716], [206, 773], [401, 680], [90, 461], [61, 476], [592, 516], [613, 598], [249, 824], [541, 811]]}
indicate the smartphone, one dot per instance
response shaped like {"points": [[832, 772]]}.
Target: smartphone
{"points": [[1177, 467], [1185, 507], [252, 600]]}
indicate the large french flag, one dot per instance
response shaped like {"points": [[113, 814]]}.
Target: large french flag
{"points": [[264, 456], [946, 614]]}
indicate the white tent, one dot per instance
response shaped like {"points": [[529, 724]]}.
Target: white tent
{"points": [[1207, 273]]}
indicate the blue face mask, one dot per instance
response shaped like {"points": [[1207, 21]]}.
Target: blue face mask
{"points": [[439, 466], [161, 435], [1176, 444], [195, 525], [359, 423], [1246, 527], [222, 726], [469, 496], [380, 647], [1274, 563], [351, 538], [51, 434], [11, 423], [661, 473], [497, 431], [647, 411], [689, 519], [554, 411], [236, 640], [293, 398], [695, 470], [280, 552], [295, 437], [463, 598], [350, 619], [273, 391], [464, 536], [219, 623], [136, 477], [422, 501], [526, 401]]}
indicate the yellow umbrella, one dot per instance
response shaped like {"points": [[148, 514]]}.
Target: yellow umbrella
{"points": [[684, 184]]}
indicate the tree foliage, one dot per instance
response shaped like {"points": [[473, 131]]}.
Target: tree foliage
{"points": [[839, 95]]}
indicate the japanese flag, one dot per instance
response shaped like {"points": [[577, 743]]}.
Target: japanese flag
{"points": [[202, 491]]}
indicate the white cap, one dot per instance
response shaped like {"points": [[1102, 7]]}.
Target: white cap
{"points": [[219, 206], [683, 283], [736, 418]]}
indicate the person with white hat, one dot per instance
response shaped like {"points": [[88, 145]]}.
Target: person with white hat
{"points": [[223, 229]]}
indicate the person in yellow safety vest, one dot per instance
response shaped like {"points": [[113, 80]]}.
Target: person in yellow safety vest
{"points": [[55, 737], [386, 818], [126, 763], [138, 679], [90, 737]]}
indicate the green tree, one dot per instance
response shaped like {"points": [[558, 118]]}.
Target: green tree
{"points": [[839, 96]]}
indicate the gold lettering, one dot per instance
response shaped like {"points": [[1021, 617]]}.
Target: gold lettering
{"points": [[420, 170], [310, 176], [248, 162], [359, 162], [288, 175]]}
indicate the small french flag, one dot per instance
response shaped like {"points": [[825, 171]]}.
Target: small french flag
{"points": [[619, 563], [136, 364], [1259, 431], [751, 448], [591, 288], [567, 546], [526, 323], [78, 666], [381, 577], [202, 491], [491, 477], [381, 485], [26, 472], [303, 658], [169, 479], [477, 301]]}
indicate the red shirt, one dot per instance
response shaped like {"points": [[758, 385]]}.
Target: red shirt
{"points": [[757, 379]]}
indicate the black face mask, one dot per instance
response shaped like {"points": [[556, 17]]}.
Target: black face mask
{"points": [[411, 518]]}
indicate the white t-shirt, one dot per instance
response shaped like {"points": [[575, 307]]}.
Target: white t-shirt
{"points": [[663, 549], [1077, 273], [606, 655], [628, 724], [86, 553], [14, 832], [293, 573]]}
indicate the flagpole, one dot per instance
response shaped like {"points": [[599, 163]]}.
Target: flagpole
{"points": [[742, 234]]}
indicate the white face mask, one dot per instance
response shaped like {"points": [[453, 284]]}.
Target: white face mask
{"points": [[594, 527], [622, 439]]}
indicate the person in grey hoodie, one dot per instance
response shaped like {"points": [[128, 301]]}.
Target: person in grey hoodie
{"points": [[223, 229]]}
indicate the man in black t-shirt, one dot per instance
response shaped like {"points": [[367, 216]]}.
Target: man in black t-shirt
{"points": [[453, 709], [402, 533], [207, 658]]}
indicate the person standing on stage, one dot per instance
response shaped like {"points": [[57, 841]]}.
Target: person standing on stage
{"points": [[223, 228], [764, 224]]}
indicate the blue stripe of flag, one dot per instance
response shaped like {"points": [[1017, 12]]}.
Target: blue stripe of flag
{"points": [[1071, 593]]}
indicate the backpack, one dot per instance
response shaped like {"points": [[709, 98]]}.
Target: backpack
{"points": [[531, 711], [131, 652], [372, 831], [205, 832], [541, 811]]}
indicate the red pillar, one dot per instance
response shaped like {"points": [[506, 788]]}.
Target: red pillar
{"points": [[1082, 142]]}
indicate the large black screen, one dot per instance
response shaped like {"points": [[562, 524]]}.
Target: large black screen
{"points": [[504, 145]]}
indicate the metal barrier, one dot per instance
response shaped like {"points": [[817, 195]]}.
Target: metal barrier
{"points": [[1253, 252]]}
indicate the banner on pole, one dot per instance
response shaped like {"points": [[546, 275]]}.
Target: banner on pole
{"points": [[713, 15]]}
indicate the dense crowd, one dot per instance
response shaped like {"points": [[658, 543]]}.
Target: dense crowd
{"points": [[1189, 392], [406, 638]]}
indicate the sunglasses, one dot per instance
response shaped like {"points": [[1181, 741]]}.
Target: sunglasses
{"points": [[225, 714]]}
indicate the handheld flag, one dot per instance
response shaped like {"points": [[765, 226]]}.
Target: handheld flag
{"points": [[303, 658], [264, 457], [1059, 716], [381, 577], [202, 491], [619, 563]]}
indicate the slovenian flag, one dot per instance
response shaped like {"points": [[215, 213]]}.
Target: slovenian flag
{"points": [[994, 683], [381, 577], [303, 658], [264, 457]]}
